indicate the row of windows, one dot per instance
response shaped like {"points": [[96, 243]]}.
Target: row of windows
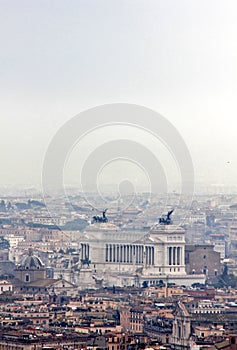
{"points": [[174, 269], [4, 289]]}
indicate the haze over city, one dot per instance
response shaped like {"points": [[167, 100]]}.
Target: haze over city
{"points": [[177, 58]]}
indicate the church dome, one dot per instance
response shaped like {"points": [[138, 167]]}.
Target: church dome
{"points": [[30, 262]]}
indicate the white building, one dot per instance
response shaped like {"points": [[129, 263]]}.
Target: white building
{"points": [[14, 239], [5, 286], [122, 258]]}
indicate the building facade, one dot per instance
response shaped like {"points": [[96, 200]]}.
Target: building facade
{"points": [[130, 258], [203, 259]]}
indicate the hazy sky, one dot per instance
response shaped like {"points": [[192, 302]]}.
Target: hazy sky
{"points": [[58, 58]]}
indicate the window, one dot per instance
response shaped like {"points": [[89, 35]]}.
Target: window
{"points": [[27, 278], [179, 331]]}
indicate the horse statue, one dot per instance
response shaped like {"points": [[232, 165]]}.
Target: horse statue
{"points": [[100, 219], [166, 219]]}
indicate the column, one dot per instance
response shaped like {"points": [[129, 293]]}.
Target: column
{"points": [[182, 255], [114, 253], [174, 255], [128, 258], [178, 256], [124, 253], [149, 255], [82, 251], [110, 253], [106, 252], [137, 254], [170, 255], [121, 253], [146, 255], [117, 253], [134, 254], [152, 256]]}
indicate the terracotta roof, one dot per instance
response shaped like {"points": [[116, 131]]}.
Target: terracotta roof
{"points": [[224, 344], [44, 282]]}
